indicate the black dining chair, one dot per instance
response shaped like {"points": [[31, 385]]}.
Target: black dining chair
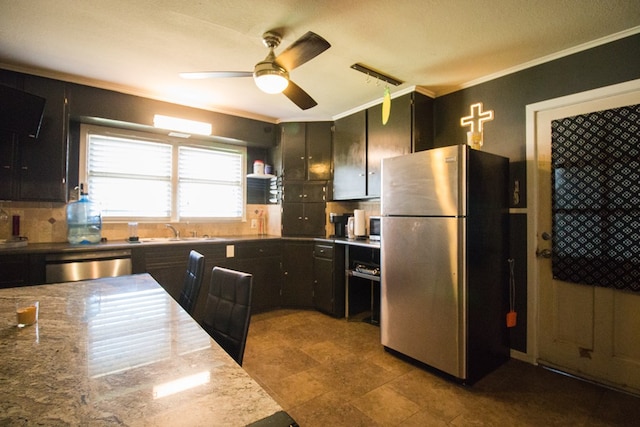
{"points": [[192, 281], [228, 310]]}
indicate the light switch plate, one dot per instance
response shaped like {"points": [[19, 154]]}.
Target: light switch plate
{"points": [[231, 251]]}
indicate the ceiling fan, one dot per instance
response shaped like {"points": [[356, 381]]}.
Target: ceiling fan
{"points": [[272, 74]]}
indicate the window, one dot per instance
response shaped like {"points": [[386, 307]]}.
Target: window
{"points": [[135, 175], [596, 198]]}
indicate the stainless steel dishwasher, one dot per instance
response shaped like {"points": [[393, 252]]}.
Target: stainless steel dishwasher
{"points": [[73, 266]]}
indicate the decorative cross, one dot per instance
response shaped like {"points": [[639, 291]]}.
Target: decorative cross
{"points": [[477, 117]]}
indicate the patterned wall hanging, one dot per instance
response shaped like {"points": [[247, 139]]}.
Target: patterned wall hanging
{"points": [[596, 198]]}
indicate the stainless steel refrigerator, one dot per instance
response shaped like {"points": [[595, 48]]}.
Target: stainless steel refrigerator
{"points": [[444, 259]]}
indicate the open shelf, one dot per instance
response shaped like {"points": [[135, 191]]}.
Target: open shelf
{"points": [[364, 275], [261, 176]]}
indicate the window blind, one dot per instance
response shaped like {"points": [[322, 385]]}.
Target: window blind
{"points": [[210, 183], [149, 177]]}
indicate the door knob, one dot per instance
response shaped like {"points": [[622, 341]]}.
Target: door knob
{"points": [[546, 235], [544, 253]]}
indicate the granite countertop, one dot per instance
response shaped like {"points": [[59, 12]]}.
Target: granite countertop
{"points": [[358, 242], [106, 351], [54, 247], [122, 244]]}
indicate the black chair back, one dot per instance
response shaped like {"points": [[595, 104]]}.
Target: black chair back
{"points": [[228, 310], [192, 281]]}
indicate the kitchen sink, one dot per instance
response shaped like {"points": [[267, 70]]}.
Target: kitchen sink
{"points": [[158, 239], [177, 239]]}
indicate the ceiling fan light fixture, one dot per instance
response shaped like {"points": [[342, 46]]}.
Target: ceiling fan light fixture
{"points": [[270, 78]]}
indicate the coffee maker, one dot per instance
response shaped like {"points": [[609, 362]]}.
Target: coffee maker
{"points": [[339, 222]]}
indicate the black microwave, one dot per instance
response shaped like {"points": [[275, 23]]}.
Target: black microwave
{"points": [[374, 228]]}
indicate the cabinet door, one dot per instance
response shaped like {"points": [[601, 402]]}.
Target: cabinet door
{"points": [[7, 165], [292, 219], [314, 219], [304, 191], [266, 281], [297, 283], [43, 161], [349, 162], [168, 264], [314, 191], [293, 192], [293, 151], [14, 271], [303, 219], [323, 288], [390, 140], [318, 144]]}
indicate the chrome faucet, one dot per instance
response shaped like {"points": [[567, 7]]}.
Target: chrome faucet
{"points": [[176, 233]]}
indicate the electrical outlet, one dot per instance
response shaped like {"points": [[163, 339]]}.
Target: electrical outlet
{"points": [[254, 223]]}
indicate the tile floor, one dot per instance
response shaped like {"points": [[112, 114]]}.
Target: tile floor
{"points": [[330, 372]]}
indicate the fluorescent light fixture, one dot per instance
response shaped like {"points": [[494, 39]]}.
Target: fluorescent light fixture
{"points": [[181, 384], [181, 125]]}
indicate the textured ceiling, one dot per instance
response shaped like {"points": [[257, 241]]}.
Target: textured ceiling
{"points": [[140, 46]]}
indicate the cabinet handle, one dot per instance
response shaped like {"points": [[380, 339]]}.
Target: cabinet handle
{"points": [[6, 167], [24, 168], [304, 195], [360, 174], [300, 218], [302, 158], [306, 218], [310, 157], [372, 173]]}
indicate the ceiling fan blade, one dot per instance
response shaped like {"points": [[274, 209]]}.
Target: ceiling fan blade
{"points": [[216, 74], [299, 96], [302, 50]]}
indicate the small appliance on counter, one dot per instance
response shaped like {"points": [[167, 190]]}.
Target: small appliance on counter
{"points": [[374, 228], [339, 222]]}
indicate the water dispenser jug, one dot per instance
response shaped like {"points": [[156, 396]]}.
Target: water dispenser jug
{"points": [[84, 221]]}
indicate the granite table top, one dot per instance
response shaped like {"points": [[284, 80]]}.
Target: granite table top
{"points": [[118, 351]]}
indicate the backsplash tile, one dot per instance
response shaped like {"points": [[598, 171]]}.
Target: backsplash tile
{"points": [[46, 223]]}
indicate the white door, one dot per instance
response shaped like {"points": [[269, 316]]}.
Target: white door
{"points": [[590, 331]]}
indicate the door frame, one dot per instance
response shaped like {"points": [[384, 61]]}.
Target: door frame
{"points": [[533, 283]]}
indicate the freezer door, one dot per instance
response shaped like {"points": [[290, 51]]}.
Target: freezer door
{"points": [[425, 183], [422, 294]]}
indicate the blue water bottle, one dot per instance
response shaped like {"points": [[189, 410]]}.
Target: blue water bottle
{"points": [[84, 221]]}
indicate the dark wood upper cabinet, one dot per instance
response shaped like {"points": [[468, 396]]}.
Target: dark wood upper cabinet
{"points": [[349, 156], [361, 141], [306, 151], [36, 169], [389, 140]]}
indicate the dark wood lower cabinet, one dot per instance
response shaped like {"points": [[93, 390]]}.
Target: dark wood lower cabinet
{"points": [[296, 273], [168, 264], [14, 271], [21, 270], [264, 262], [297, 282], [328, 278]]}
